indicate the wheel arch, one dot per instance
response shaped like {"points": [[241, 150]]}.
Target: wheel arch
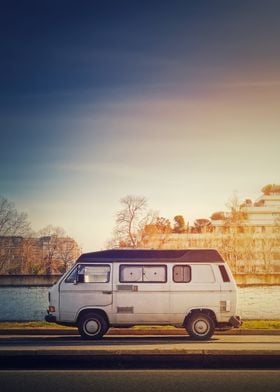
{"points": [[209, 312], [101, 312]]}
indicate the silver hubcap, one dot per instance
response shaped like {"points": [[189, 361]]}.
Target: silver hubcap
{"points": [[201, 327], [92, 326]]}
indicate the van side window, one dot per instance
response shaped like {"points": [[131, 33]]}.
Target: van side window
{"points": [[181, 273], [90, 274], [143, 273], [224, 273], [96, 274]]}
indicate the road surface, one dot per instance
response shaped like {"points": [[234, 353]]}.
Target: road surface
{"points": [[140, 380]]}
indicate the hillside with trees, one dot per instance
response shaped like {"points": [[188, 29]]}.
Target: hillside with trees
{"points": [[247, 233]]}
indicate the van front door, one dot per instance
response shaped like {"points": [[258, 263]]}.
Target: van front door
{"points": [[87, 286]]}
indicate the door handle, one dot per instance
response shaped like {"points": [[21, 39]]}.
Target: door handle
{"points": [[107, 292]]}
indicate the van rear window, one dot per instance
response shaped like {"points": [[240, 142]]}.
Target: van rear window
{"points": [[181, 273], [224, 273]]}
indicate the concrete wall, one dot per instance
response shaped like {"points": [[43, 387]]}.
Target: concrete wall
{"points": [[28, 280], [23, 303], [259, 302], [24, 297], [257, 279]]}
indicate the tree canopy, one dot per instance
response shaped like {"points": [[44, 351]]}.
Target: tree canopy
{"points": [[179, 226], [271, 188], [218, 215]]}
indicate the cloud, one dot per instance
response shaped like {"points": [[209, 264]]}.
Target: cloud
{"points": [[249, 83]]}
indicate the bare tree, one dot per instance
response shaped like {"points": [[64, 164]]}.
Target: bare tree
{"points": [[131, 221], [12, 223], [234, 241], [14, 226], [236, 217], [67, 251], [49, 241], [58, 249]]}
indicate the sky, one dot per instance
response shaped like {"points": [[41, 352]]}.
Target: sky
{"points": [[176, 101]]}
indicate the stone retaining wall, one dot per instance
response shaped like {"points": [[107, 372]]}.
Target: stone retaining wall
{"points": [[24, 297], [28, 280]]}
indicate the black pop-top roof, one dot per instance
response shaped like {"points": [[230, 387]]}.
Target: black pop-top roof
{"points": [[152, 255]]}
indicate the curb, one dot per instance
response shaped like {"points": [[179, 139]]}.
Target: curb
{"points": [[134, 332]]}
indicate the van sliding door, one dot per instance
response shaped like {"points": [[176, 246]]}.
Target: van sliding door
{"points": [[142, 294]]}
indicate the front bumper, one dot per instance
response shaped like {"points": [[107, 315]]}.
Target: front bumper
{"points": [[50, 318], [235, 321]]}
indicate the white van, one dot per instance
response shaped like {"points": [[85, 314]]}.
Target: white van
{"points": [[193, 288]]}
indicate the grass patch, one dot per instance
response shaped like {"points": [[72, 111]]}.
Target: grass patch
{"points": [[30, 325], [247, 324], [261, 324]]}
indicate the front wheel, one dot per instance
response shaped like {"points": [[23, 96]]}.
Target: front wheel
{"points": [[200, 326], [92, 326]]}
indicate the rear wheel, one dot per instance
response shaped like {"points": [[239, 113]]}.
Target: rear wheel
{"points": [[200, 326], [92, 326]]}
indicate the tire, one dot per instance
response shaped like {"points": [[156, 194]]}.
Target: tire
{"points": [[200, 326], [92, 326]]}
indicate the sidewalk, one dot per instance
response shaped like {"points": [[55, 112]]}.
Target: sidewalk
{"points": [[138, 348], [146, 351]]}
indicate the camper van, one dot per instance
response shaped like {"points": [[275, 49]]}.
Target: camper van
{"points": [[193, 288]]}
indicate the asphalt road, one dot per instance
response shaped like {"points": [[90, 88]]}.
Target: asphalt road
{"points": [[141, 380]]}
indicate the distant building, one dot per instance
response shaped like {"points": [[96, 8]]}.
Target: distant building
{"points": [[44, 255], [264, 214]]}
